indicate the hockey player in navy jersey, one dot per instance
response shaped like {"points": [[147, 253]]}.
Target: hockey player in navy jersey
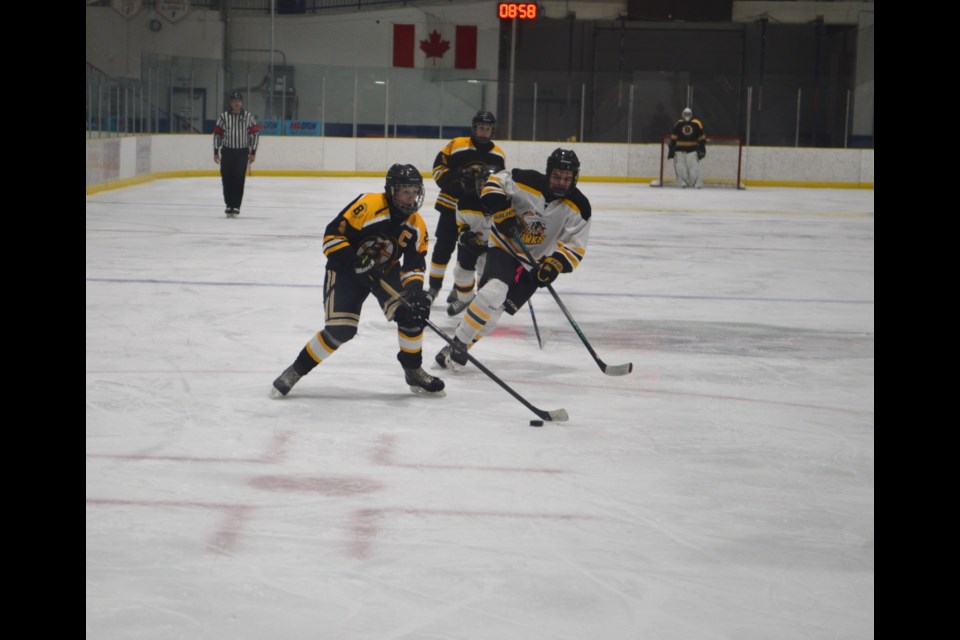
{"points": [[378, 235], [448, 168], [688, 146]]}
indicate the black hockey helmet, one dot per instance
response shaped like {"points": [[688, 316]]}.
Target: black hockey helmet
{"points": [[236, 95], [566, 160], [473, 176], [398, 177], [484, 117]]}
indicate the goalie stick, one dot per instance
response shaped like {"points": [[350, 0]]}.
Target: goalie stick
{"points": [[557, 415], [610, 370]]}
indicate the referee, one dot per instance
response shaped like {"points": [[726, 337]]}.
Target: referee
{"points": [[235, 139]]}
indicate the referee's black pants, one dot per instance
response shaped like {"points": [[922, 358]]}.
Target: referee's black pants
{"points": [[233, 171]]}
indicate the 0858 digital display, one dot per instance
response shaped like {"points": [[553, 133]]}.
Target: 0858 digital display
{"points": [[517, 10]]}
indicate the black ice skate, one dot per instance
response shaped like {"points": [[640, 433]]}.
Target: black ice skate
{"points": [[283, 384], [452, 297], [453, 358], [423, 383], [432, 293], [457, 306]]}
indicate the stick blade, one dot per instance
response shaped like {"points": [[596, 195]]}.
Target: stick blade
{"points": [[618, 369], [557, 415]]}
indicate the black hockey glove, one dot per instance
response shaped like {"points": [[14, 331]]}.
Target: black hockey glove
{"points": [[700, 154], [507, 222], [472, 242], [418, 311], [367, 270], [548, 271], [672, 152]]}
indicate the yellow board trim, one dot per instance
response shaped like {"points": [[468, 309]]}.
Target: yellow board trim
{"points": [[284, 173]]}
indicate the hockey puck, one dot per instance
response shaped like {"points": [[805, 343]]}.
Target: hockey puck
{"points": [[536, 423]]}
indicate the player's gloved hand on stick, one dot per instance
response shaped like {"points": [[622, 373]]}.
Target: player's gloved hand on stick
{"points": [[507, 221], [367, 271], [548, 271], [473, 242], [419, 310]]}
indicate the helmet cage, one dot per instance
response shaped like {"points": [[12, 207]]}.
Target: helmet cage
{"points": [[565, 160], [484, 117], [474, 176], [399, 177]]}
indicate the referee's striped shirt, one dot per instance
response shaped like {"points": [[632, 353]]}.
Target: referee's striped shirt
{"points": [[236, 131]]}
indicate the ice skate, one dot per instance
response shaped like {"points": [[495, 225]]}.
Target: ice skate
{"points": [[283, 384], [423, 383], [457, 306], [453, 358]]}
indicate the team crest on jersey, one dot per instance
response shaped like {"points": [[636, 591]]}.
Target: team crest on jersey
{"points": [[534, 229], [687, 130], [381, 248]]}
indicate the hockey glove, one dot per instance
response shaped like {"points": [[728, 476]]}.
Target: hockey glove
{"points": [[670, 154], [700, 154], [472, 242], [418, 311], [507, 222], [367, 271], [548, 271]]}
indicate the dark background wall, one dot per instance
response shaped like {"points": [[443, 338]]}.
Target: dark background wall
{"points": [[591, 66]]}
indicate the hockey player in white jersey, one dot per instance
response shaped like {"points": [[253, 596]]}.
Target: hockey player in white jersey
{"points": [[552, 218]]}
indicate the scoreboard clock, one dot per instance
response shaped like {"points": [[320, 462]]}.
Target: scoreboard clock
{"points": [[517, 10]]}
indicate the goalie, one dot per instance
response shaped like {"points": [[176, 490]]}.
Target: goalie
{"points": [[688, 146]]}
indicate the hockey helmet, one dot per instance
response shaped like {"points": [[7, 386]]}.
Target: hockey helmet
{"points": [[236, 95], [473, 176], [400, 176], [484, 117], [687, 114], [566, 160]]}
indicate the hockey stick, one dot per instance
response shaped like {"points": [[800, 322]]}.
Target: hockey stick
{"points": [[557, 415], [610, 370], [536, 329]]}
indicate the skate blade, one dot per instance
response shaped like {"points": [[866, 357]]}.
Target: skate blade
{"points": [[420, 391]]}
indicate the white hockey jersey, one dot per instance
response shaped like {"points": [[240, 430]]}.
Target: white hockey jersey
{"points": [[556, 227]]}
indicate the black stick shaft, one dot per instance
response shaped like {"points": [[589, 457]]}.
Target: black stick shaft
{"points": [[613, 370], [536, 328], [559, 415]]}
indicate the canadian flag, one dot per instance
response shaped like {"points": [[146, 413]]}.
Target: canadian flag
{"points": [[432, 48]]}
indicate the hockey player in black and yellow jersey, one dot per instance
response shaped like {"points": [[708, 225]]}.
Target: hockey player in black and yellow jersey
{"points": [[473, 227], [688, 146], [378, 235], [552, 217], [451, 163]]}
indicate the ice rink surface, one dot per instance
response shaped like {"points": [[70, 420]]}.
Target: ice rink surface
{"points": [[723, 490]]}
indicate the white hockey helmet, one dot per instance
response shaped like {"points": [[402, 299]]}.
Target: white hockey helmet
{"points": [[687, 114]]}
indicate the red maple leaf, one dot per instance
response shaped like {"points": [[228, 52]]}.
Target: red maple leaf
{"points": [[435, 46]]}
